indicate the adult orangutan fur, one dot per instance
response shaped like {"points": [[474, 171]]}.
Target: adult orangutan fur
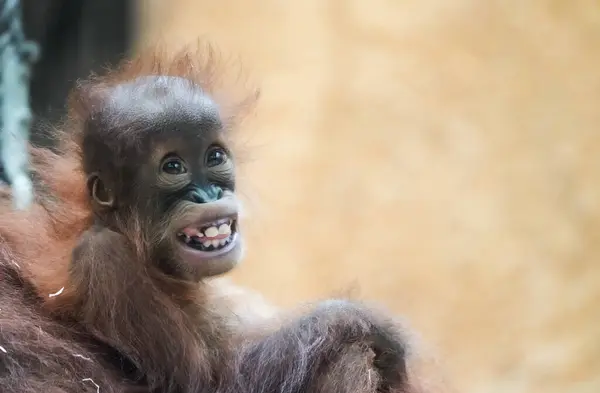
{"points": [[96, 293]]}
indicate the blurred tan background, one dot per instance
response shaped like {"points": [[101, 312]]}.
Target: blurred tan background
{"points": [[442, 156]]}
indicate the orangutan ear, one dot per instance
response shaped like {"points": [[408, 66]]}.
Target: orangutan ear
{"points": [[100, 193]]}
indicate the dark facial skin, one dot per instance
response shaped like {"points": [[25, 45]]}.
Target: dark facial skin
{"points": [[177, 177]]}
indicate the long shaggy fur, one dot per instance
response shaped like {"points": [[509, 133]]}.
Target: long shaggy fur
{"points": [[115, 324]]}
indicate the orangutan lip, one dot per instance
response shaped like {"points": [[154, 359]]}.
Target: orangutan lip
{"points": [[209, 237]]}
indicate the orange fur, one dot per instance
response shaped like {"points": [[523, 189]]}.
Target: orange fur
{"points": [[173, 336]]}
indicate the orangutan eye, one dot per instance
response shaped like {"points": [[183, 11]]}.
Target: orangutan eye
{"points": [[216, 156], [173, 166]]}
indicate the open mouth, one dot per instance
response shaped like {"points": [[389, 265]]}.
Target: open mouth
{"points": [[210, 237]]}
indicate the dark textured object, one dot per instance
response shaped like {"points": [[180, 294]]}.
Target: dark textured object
{"points": [[16, 57]]}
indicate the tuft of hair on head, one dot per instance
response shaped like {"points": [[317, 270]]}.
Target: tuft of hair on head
{"points": [[199, 62]]}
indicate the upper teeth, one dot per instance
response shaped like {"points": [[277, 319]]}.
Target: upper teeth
{"points": [[212, 231], [224, 229]]}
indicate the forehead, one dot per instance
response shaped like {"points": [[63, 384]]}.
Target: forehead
{"points": [[163, 109]]}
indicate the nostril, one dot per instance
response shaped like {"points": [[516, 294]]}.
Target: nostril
{"points": [[198, 196]]}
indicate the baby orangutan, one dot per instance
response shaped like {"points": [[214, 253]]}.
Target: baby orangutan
{"points": [[106, 281]]}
